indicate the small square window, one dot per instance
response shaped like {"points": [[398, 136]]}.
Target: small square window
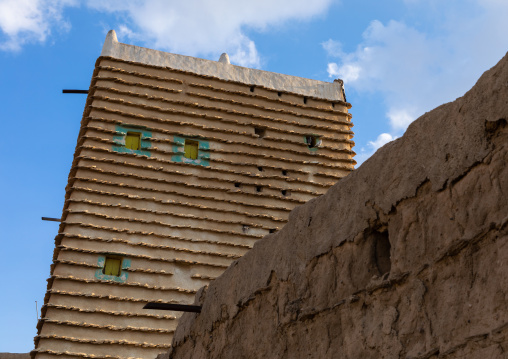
{"points": [[112, 266], [191, 149], [133, 141], [260, 131], [312, 141]]}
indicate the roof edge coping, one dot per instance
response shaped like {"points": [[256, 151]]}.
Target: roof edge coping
{"points": [[332, 91]]}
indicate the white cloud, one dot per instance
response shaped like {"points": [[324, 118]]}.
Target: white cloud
{"points": [[333, 47], [400, 118], [372, 147], [350, 72], [381, 140], [412, 70], [203, 27], [246, 53], [23, 21], [124, 32], [332, 69], [192, 27]]}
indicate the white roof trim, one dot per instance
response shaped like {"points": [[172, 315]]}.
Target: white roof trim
{"points": [[306, 87]]}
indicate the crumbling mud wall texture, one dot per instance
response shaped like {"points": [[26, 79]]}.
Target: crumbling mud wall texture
{"points": [[407, 257], [14, 355]]}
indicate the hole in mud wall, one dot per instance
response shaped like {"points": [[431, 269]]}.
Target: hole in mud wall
{"points": [[493, 128], [252, 88], [382, 252], [312, 141], [259, 131]]}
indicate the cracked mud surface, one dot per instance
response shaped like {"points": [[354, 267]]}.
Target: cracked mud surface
{"points": [[407, 257]]}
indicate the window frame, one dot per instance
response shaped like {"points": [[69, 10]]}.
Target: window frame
{"points": [[125, 264], [203, 150], [120, 139]]}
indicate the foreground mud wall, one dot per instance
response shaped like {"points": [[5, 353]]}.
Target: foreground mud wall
{"points": [[406, 257], [14, 355]]}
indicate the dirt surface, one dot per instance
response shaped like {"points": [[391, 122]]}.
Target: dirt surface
{"points": [[407, 257], [14, 355]]}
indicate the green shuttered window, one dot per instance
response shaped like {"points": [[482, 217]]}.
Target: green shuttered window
{"points": [[191, 149], [133, 140], [113, 266]]}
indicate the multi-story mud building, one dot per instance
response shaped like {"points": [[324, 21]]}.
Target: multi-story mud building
{"points": [[181, 165]]}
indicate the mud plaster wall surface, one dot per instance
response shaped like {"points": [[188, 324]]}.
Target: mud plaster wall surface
{"points": [[318, 288], [14, 355]]}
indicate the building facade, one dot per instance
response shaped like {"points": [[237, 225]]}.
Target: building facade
{"points": [[181, 165]]}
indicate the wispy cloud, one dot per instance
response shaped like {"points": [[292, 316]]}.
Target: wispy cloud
{"points": [[192, 27], [202, 27], [396, 61], [373, 146], [414, 70], [24, 21]]}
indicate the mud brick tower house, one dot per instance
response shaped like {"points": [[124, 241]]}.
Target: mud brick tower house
{"points": [[181, 165]]}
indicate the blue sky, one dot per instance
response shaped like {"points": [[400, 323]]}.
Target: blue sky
{"points": [[399, 59]]}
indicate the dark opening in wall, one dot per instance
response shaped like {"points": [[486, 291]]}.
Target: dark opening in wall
{"points": [[259, 189], [273, 230], [312, 141], [285, 192], [382, 252], [305, 100], [237, 184], [260, 131], [284, 172], [252, 88], [279, 94], [260, 169], [333, 105]]}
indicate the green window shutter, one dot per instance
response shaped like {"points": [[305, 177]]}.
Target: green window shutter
{"points": [[191, 149], [133, 140], [194, 151], [113, 266], [187, 149]]}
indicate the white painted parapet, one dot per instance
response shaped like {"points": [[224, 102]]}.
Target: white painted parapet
{"points": [[222, 69]]}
